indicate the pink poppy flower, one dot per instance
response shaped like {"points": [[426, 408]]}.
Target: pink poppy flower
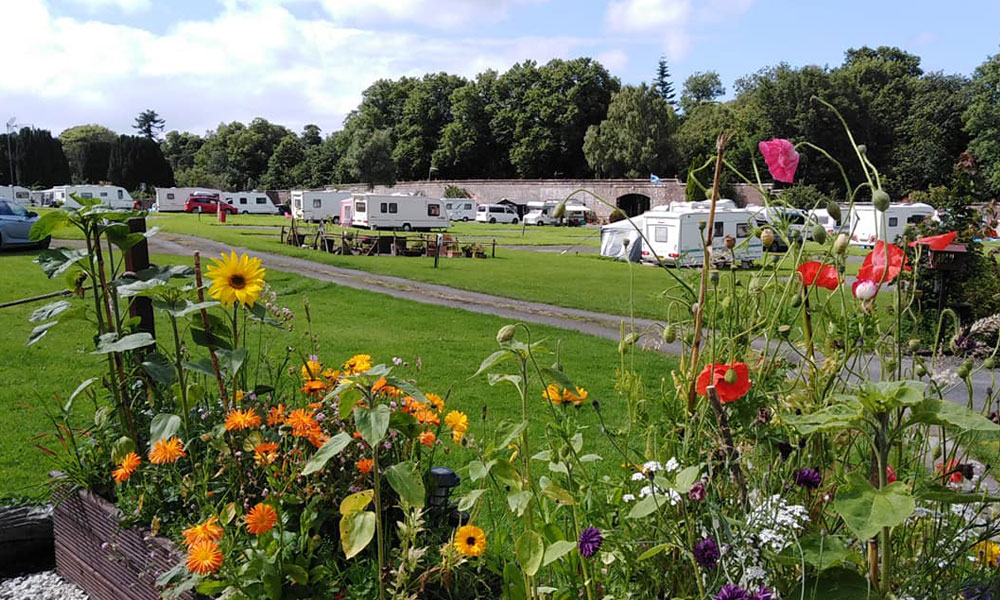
{"points": [[781, 158]]}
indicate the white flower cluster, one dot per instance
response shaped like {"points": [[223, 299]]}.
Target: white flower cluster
{"points": [[648, 468]]}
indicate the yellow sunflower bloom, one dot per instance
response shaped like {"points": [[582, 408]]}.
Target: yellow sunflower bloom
{"points": [[987, 554], [553, 394], [235, 279], [470, 540], [358, 364]]}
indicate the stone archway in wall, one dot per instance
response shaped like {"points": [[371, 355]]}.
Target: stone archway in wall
{"points": [[633, 205]]}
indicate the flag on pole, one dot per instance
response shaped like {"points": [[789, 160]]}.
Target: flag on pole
{"points": [[653, 178]]}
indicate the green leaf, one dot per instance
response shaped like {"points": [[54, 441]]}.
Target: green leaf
{"points": [[210, 587], [935, 492], [647, 506], [296, 574], [49, 311], [163, 426], [232, 361], [109, 343], [890, 395], [79, 389], [404, 423], [121, 447], [513, 583], [356, 532], [492, 359], [559, 377], [373, 423], [467, 501], [47, 224], [407, 388], [555, 492], [191, 307], [557, 550], [837, 583], [158, 367], [686, 479], [332, 447], [506, 431], [518, 501], [54, 261], [407, 482], [203, 366], [349, 396], [817, 550], [529, 550], [842, 415], [867, 510], [356, 502], [478, 470], [495, 378], [933, 411], [39, 332], [209, 338], [654, 551]]}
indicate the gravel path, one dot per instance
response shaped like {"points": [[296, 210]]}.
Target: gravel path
{"points": [[40, 586]]}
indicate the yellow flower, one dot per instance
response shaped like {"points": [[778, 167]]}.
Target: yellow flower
{"points": [[236, 279], [457, 435], [129, 463], [436, 402], [331, 374], [239, 396], [577, 399], [987, 554], [358, 364], [242, 419], [261, 519], [470, 540], [311, 370], [457, 420], [204, 558], [209, 531], [553, 394], [167, 451]]}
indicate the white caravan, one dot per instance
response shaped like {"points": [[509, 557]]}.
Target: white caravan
{"points": [[110, 195], [317, 205], [621, 239], [398, 211], [869, 225], [173, 199], [673, 233], [821, 216], [250, 203], [460, 209], [540, 213], [18, 194], [496, 213]]}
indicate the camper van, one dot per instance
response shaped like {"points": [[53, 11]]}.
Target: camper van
{"points": [[460, 209], [673, 234], [496, 213], [110, 195], [540, 213], [399, 211], [18, 194], [316, 206], [251, 203], [869, 225], [172, 199]]}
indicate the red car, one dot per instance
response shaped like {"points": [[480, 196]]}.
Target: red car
{"points": [[207, 204]]}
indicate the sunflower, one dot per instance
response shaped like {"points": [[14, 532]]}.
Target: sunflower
{"points": [[365, 465], [436, 402], [470, 540], [209, 531], [235, 279], [276, 415], [358, 364], [128, 464], [261, 519], [577, 398], [987, 554], [427, 438], [265, 453], [242, 419], [457, 420], [204, 557], [553, 394], [167, 451]]}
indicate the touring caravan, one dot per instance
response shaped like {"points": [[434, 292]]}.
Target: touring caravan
{"points": [[316, 206], [869, 225], [172, 199], [397, 211], [673, 233], [251, 203], [460, 209], [621, 239], [110, 195], [18, 194]]}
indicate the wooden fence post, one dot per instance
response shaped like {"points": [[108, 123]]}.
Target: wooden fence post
{"points": [[494, 253], [137, 259]]}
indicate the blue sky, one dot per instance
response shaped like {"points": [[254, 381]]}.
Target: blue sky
{"points": [[200, 62]]}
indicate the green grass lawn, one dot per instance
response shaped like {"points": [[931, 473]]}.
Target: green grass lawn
{"points": [[448, 343]]}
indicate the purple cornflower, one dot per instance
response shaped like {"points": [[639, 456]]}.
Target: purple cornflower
{"points": [[808, 478], [977, 593], [732, 591], [697, 491], [706, 553], [762, 593], [590, 542]]}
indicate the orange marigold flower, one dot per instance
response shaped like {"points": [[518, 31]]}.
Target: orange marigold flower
{"points": [[261, 519], [357, 435], [577, 398], [436, 402], [318, 438], [406, 404], [331, 374], [242, 419], [553, 394], [239, 396], [209, 531], [379, 386], [311, 370], [313, 387], [315, 405], [302, 422], [427, 438], [276, 415], [128, 464], [427, 416], [204, 558], [365, 465], [265, 452], [358, 364], [167, 451]]}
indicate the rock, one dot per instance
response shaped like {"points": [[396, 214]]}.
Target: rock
{"points": [[40, 586]]}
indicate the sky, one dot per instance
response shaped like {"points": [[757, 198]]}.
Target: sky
{"points": [[293, 62]]}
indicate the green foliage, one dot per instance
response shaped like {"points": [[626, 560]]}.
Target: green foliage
{"points": [[662, 84], [39, 160], [982, 120], [454, 191], [88, 149], [138, 160], [634, 139], [425, 113], [369, 158], [700, 88], [804, 196], [149, 124], [284, 168], [180, 148]]}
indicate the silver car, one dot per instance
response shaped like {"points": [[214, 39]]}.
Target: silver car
{"points": [[15, 225]]}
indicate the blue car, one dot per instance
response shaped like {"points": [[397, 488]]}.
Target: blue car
{"points": [[15, 224]]}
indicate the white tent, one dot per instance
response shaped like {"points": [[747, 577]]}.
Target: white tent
{"points": [[620, 240]]}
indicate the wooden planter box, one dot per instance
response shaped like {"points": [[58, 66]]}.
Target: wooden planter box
{"points": [[109, 562]]}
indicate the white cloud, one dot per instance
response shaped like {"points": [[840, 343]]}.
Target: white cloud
{"points": [[442, 14], [630, 16], [670, 22], [128, 6]]}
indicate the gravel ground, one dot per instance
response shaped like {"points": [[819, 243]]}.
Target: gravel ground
{"points": [[40, 586]]}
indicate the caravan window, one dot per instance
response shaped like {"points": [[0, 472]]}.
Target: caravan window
{"points": [[660, 234], [448, 206], [384, 208], [317, 202], [467, 206], [170, 196], [742, 230], [481, 209], [86, 195], [121, 194], [893, 221], [243, 200], [916, 219], [104, 194], [720, 230], [261, 200], [433, 210], [497, 209], [392, 208], [359, 207]]}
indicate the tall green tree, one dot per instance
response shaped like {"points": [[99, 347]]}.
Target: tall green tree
{"points": [[180, 148], [311, 135], [138, 160], [39, 160], [426, 111], [634, 139], [88, 149], [700, 88], [662, 84], [286, 167], [240, 153], [369, 158], [149, 124], [467, 147], [982, 121]]}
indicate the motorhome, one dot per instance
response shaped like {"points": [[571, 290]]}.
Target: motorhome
{"points": [[110, 195], [18, 194], [576, 215], [247, 203], [399, 211], [496, 213], [172, 199], [869, 225], [318, 205], [461, 209], [540, 213], [674, 234], [780, 217]]}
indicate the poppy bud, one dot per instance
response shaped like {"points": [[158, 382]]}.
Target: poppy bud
{"points": [[730, 242], [767, 237], [796, 301], [921, 370], [968, 363], [833, 209], [962, 372], [841, 243], [505, 334], [862, 149], [989, 363], [819, 234], [701, 225], [913, 344], [731, 377], [714, 276], [560, 210], [784, 330], [669, 334], [881, 200]]}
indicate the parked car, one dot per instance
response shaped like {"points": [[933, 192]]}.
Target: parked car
{"points": [[15, 225], [207, 204], [496, 213]]}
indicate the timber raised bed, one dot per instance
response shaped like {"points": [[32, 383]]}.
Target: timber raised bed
{"points": [[107, 561]]}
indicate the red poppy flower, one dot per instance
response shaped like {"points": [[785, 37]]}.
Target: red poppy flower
{"points": [[821, 275], [715, 374], [951, 472], [877, 269], [781, 158], [890, 475], [936, 242]]}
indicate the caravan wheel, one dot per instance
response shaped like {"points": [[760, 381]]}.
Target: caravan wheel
{"points": [[493, 220], [245, 212], [336, 220], [406, 226]]}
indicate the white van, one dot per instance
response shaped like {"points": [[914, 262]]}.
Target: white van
{"points": [[18, 194], [673, 234], [460, 209], [398, 211], [173, 199], [318, 205], [540, 213], [869, 225], [110, 195], [496, 213], [247, 203]]}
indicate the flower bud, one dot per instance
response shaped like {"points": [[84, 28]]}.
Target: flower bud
{"points": [[881, 200], [819, 234], [913, 344], [714, 276], [505, 334], [730, 242], [784, 330], [796, 301], [962, 371], [841, 243], [921, 370], [702, 225], [862, 149], [731, 377], [989, 363], [767, 238], [560, 210], [670, 333], [833, 209], [968, 363]]}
